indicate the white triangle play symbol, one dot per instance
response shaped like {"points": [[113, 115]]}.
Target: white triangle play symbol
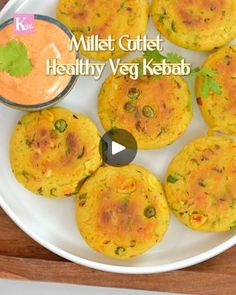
{"points": [[117, 148]]}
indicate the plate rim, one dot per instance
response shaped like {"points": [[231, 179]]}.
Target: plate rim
{"points": [[177, 265], [7, 7]]}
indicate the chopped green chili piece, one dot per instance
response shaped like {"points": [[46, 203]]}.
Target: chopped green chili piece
{"points": [[162, 17], [119, 250], [150, 212], [148, 112], [173, 26], [61, 125], [172, 179], [134, 93], [129, 107]]}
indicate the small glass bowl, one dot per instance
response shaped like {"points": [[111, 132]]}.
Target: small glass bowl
{"points": [[64, 92]]}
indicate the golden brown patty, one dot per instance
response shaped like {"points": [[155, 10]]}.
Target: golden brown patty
{"points": [[122, 212], [200, 184], [53, 150], [219, 110], [155, 111], [196, 24], [104, 18]]}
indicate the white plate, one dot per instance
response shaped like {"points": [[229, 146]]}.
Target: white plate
{"points": [[52, 222]]}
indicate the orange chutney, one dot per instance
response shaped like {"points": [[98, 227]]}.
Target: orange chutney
{"points": [[47, 41]]}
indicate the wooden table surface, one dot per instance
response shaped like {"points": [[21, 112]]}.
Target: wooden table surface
{"points": [[23, 258]]}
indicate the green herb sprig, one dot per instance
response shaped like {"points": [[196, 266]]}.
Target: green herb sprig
{"points": [[209, 83], [208, 75], [14, 59], [171, 57]]}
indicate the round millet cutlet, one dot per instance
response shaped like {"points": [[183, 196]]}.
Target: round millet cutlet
{"points": [[122, 212], [200, 184], [219, 109], [52, 151], [155, 111], [104, 18], [198, 25]]}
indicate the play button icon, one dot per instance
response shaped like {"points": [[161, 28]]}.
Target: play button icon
{"points": [[118, 147]]}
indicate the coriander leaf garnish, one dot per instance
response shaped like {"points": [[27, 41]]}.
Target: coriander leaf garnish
{"points": [[140, 69], [14, 59], [171, 57], [174, 57], [215, 86], [209, 84], [205, 87], [203, 72], [155, 55]]}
